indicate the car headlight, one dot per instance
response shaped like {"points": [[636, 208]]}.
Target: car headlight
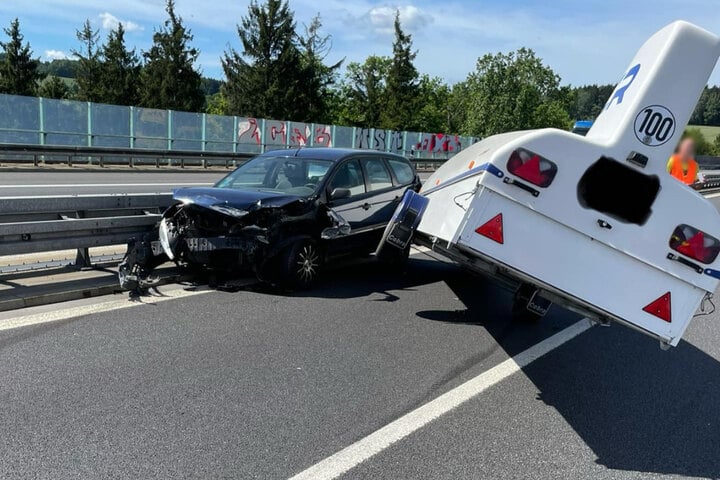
{"points": [[164, 234]]}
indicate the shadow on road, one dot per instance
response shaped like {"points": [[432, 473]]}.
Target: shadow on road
{"points": [[638, 408]]}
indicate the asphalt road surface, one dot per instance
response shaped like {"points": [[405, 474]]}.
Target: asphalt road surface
{"points": [[252, 384], [412, 374], [63, 182]]}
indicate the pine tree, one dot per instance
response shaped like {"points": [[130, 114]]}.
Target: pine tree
{"points": [[89, 64], [169, 79], [54, 87], [18, 71], [318, 77], [402, 83], [264, 81], [119, 71]]}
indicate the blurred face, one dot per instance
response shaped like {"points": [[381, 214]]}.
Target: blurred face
{"points": [[686, 150]]}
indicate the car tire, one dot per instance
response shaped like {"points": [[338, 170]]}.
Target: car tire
{"points": [[300, 265]]}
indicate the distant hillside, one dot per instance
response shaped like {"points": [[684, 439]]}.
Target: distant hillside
{"points": [[67, 68]]}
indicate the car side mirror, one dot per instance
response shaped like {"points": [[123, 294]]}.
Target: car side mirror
{"points": [[340, 193]]}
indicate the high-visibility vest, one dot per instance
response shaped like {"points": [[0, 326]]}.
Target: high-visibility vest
{"points": [[676, 170]]}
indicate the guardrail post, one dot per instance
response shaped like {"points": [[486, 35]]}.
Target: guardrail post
{"points": [[82, 259]]}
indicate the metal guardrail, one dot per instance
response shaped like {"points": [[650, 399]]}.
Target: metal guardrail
{"points": [[102, 156], [44, 224]]}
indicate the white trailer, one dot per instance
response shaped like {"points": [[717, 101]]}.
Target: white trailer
{"points": [[593, 223]]}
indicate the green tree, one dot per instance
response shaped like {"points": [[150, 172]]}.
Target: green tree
{"points": [[54, 87], [433, 106], [169, 79], [318, 77], [511, 92], [716, 145], [265, 79], [217, 104], [19, 73], [89, 66], [119, 71], [362, 95], [402, 86]]}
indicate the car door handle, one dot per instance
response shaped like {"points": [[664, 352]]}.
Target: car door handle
{"points": [[366, 206]]}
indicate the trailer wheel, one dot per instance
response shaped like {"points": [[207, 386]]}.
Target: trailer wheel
{"points": [[520, 310]]}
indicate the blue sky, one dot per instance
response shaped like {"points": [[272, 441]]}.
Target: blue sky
{"points": [[588, 41]]}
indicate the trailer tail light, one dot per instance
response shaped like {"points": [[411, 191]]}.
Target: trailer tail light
{"points": [[532, 168], [660, 308], [695, 244], [493, 229]]}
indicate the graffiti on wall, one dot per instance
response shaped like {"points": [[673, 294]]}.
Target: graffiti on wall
{"points": [[438, 142], [248, 131], [298, 134], [378, 139]]}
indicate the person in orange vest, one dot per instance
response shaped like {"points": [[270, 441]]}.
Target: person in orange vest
{"points": [[682, 164]]}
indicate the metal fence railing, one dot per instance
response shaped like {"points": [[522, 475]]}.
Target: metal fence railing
{"points": [[42, 121]]}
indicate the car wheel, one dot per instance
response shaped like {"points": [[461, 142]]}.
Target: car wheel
{"points": [[301, 264]]}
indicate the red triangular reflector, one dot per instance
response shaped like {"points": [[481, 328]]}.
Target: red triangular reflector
{"points": [[660, 308], [493, 229]]}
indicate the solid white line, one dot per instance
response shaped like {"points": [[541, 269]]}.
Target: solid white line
{"points": [[712, 195], [78, 185], [65, 314], [376, 442]]}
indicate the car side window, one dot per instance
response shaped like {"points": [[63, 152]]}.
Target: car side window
{"points": [[378, 174], [349, 175], [402, 170]]}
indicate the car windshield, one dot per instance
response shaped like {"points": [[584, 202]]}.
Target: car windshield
{"points": [[291, 175]]}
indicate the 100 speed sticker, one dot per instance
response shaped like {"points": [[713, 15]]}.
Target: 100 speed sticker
{"points": [[654, 125]]}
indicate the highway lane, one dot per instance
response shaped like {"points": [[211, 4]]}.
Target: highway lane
{"points": [[63, 182], [251, 384]]}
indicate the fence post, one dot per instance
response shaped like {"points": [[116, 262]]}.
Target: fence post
{"points": [[312, 135], [332, 136], [41, 113], [354, 136], [287, 133], [169, 136], [89, 130], [235, 138], [202, 133], [131, 160], [262, 137], [132, 127]]}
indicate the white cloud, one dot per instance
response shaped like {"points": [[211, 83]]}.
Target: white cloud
{"points": [[111, 22], [382, 18], [55, 55]]}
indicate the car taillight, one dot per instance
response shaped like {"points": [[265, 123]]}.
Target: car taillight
{"points": [[695, 244], [532, 168]]}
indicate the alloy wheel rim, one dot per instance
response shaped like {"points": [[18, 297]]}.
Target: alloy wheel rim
{"points": [[307, 263]]}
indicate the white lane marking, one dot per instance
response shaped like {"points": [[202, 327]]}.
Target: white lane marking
{"points": [[376, 442], [79, 185], [712, 195], [65, 314]]}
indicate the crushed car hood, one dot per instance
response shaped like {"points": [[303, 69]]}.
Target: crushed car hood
{"points": [[228, 200]]}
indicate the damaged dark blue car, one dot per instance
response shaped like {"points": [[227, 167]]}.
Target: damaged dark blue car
{"points": [[281, 216]]}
